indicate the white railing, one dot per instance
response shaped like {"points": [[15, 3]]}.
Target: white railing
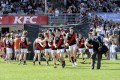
{"points": [[64, 18]]}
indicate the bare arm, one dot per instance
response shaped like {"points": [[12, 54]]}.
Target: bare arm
{"points": [[55, 43], [40, 42], [67, 35], [77, 41], [64, 42], [27, 41], [76, 36], [66, 39], [34, 45], [11, 41], [87, 44], [49, 45], [44, 40], [84, 41]]}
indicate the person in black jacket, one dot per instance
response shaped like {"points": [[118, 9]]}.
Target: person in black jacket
{"points": [[94, 42]]}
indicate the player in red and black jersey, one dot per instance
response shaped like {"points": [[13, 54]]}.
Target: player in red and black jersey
{"points": [[81, 45], [89, 46], [8, 45], [24, 47], [38, 47], [12, 38], [71, 37], [53, 49], [66, 47], [46, 47], [59, 44], [12, 46], [4, 45]]}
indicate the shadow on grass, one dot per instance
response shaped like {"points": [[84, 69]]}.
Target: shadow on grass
{"points": [[110, 69], [88, 68], [110, 63], [81, 67], [76, 68]]}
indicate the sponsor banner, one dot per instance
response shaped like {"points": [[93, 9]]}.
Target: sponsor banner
{"points": [[110, 16], [6, 20]]}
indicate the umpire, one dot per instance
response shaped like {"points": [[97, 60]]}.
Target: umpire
{"points": [[94, 42]]}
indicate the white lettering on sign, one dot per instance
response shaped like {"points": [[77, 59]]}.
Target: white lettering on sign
{"points": [[1, 20], [18, 20], [24, 20], [31, 19]]}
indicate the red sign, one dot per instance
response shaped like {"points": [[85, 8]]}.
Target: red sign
{"points": [[23, 20]]}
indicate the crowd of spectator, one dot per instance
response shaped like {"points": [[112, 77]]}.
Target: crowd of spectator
{"points": [[23, 6], [109, 32], [71, 6], [83, 7]]}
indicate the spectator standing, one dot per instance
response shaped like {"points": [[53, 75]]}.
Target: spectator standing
{"points": [[113, 51], [56, 12], [69, 13]]}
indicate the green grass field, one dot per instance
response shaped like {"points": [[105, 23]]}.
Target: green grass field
{"points": [[110, 70]]}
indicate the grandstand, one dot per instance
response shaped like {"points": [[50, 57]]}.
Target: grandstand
{"points": [[16, 13]]}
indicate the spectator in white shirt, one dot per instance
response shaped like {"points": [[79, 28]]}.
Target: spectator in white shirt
{"points": [[56, 12], [103, 32], [99, 30], [3, 5], [113, 51]]}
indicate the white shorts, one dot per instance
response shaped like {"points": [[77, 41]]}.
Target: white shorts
{"points": [[48, 50], [37, 51], [67, 50], [9, 50], [73, 47], [17, 50], [60, 50], [82, 49], [53, 51], [91, 51], [24, 50]]}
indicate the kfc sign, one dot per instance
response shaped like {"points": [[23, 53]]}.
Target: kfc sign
{"points": [[23, 20]]}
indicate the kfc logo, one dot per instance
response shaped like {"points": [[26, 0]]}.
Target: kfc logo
{"points": [[7, 20]]}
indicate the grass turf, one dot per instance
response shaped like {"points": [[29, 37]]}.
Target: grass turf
{"points": [[110, 70]]}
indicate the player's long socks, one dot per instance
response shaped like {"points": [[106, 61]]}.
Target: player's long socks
{"points": [[72, 59]]}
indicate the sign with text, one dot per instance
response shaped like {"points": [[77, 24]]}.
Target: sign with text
{"points": [[7, 20], [109, 16]]}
